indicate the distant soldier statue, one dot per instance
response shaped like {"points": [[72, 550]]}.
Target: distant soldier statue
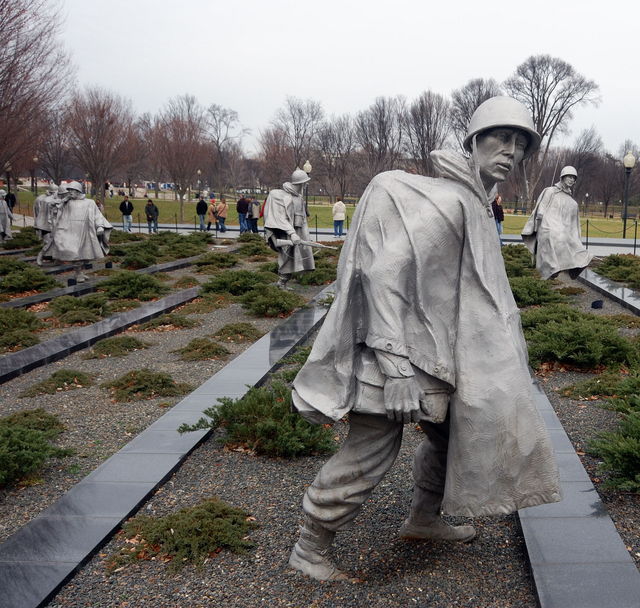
{"points": [[286, 227], [43, 216]]}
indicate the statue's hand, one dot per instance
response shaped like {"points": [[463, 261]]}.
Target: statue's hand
{"points": [[99, 230], [402, 399], [434, 407], [294, 238]]}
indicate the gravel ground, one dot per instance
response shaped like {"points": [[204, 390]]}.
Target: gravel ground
{"points": [[96, 426]]}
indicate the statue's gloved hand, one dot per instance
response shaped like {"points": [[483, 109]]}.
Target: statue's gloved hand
{"points": [[402, 399], [99, 230], [294, 238]]}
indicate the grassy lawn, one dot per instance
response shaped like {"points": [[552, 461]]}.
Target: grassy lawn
{"points": [[170, 210]]}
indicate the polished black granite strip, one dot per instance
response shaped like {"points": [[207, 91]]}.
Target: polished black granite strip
{"points": [[624, 296], [15, 364], [576, 554], [38, 559]]}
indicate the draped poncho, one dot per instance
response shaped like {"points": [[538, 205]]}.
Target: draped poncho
{"points": [[421, 275]]}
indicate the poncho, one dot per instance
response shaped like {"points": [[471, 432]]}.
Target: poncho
{"points": [[421, 275], [552, 234], [75, 235]]}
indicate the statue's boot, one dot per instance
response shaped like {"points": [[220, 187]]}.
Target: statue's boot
{"points": [[425, 522], [80, 276], [309, 554], [283, 279]]}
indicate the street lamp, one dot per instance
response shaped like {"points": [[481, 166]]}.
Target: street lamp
{"points": [[629, 162], [34, 188], [199, 172], [307, 169]]}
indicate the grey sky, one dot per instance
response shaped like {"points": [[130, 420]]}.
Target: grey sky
{"points": [[248, 55]]}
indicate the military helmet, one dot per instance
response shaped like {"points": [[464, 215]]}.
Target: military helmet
{"points": [[74, 186], [62, 189], [502, 111], [3, 193], [52, 188], [568, 170], [299, 177]]}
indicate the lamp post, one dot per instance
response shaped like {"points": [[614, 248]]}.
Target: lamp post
{"points": [[34, 187], [199, 172], [307, 169], [629, 162]]}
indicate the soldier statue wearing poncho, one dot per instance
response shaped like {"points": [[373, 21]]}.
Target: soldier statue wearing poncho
{"points": [[424, 329]]}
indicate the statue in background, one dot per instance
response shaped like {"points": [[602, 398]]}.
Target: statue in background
{"points": [[424, 329], [80, 232], [286, 227], [552, 233], [43, 217], [6, 217]]}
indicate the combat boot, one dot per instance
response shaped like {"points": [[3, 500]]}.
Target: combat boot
{"points": [[309, 554], [425, 522]]}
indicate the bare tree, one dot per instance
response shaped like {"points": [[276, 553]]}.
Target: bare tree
{"points": [[379, 132], [150, 138], [427, 126], [99, 124], [466, 99], [298, 120], [585, 156], [275, 155], [181, 131], [551, 89], [335, 143], [224, 130], [609, 181], [35, 72], [55, 148]]}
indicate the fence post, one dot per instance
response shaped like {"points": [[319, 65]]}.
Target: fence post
{"points": [[316, 227], [635, 237], [139, 228], [195, 226], [175, 216], [347, 216], [587, 234]]}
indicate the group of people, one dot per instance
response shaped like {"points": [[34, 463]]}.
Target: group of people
{"points": [[212, 213], [248, 214], [151, 212], [71, 226]]}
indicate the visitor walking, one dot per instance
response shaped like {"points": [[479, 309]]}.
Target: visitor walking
{"points": [[498, 214], [339, 213], [222, 209], [126, 208], [201, 210], [152, 212], [253, 214], [211, 214]]}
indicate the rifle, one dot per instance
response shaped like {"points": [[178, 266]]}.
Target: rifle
{"points": [[287, 243]]}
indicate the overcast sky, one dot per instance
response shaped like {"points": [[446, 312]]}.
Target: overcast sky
{"points": [[249, 55]]}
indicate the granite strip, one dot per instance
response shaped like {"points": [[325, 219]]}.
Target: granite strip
{"points": [[618, 293], [577, 557], [15, 364]]}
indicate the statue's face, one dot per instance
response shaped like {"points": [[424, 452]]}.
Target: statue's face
{"points": [[499, 150], [569, 180], [74, 194]]}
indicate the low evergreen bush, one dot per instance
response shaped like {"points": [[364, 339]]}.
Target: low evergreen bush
{"points": [[608, 384], [27, 279], [238, 332], [217, 259], [202, 349], [269, 267], [269, 301], [9, 264], [119, 346], [236, 282], [553, 313], [12, 319], [119, 236], [141, 255], [79, 317], [620, 452], [62, 380], [17, 339], [263, 422], [95, 303], [131, 285], [190, 535], [518, 261], [145, 384], [624, 268], [530, 291], [186, 282], [25, 443], [322, 275], [25, 238], [168, 322]]}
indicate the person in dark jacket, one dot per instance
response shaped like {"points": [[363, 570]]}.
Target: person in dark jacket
{"points": [[152, 212], [242, 207], [126, 208], [498, 214], [201, 210]]}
